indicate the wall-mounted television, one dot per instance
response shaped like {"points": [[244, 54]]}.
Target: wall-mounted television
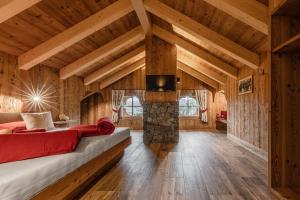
{"points": [[160, 83]]}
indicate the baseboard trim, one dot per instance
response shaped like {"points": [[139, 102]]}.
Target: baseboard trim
{"points": [[250, 147]]}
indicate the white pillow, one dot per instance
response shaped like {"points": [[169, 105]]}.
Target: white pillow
{"points": [[48, 117], [38, 120]]}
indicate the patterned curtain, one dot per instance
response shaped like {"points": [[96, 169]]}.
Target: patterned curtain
{"points": [[117, 97], [202, 98]]}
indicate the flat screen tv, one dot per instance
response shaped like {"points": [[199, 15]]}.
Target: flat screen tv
{"points": [[160, 83]]}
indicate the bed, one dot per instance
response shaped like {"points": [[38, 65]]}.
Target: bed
{"points": [[62, 176]]}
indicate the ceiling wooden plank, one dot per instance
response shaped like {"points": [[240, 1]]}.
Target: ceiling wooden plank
{"points": [[201, 53], [127, 59], [132, 37], [122, 73], [74, 34], [250, 12], [144, 19], [198, 75], [184, 57], [209, 36], [10, 8]]}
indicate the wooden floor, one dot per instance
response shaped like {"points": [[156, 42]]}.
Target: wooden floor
{"points": [[203, 165]]}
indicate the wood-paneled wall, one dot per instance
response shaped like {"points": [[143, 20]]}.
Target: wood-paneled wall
{"points": [[285, 98], [161, 59], [215, 105], [136, 81], [90, 106], [248, 113], [67, 93]]}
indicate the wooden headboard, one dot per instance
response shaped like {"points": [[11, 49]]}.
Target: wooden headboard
{"points": [[10, 117]]}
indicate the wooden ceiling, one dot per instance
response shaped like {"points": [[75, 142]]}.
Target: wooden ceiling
{"points": [[48, 18]]}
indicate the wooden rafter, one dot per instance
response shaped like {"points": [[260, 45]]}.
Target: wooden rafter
{"points": [[250, 12], [201, 53], [116, 65], [74, 34], [186, 58], [144, 19], [198, 75], [140, 63], [122, 73], [131, 37], [10, 8], [209, 36]]}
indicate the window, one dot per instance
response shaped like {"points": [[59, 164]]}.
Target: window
{"points": [[188, 106], [132, 106]]}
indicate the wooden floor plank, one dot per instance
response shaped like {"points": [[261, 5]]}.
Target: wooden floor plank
{"points": [[203, 165]]}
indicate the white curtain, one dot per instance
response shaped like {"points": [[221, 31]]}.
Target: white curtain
{"points": [[117, 97], [202, 98], [141, 96]]}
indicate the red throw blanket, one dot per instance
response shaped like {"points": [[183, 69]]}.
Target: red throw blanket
{"points": [[104, 126], [18, 146], [14, 126], [86, 130], [39, 130]]}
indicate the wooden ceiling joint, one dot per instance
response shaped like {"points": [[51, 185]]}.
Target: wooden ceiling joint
{"points": [[74, 34], [116, 65]]}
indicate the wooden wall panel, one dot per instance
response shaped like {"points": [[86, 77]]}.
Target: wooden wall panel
{"points": [[136, 81], [66, 97], [188, 82], [90, 108], [161, 59], [214, 106], [248, 113], [73, 91], [285, 97]]}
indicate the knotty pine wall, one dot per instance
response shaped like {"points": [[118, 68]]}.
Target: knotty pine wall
{"points": [[248, 113], [136, 81], [67, 96]]}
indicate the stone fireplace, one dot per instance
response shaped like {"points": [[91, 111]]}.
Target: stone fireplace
{"points": [[161, 122], [161, 115]]}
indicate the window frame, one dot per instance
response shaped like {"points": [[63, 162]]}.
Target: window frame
{"points": [[124, 113], [189, 107]]}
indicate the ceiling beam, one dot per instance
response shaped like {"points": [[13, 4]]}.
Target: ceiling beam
{"points": [[250, 12], [198, 75], [125, 40], [122, 73], [205, 56], [10, 8], [141, 13], [127, 59], [209, 36], [74, 34], [184, 57]]}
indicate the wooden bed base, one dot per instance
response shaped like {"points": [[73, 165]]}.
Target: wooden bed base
{"points": [[75, 182]]}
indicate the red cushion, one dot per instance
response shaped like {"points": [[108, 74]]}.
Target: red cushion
{"points": [[14, 126], [105, 126], [224, 114], [31, 130], [20, 146], [86, 130]]}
